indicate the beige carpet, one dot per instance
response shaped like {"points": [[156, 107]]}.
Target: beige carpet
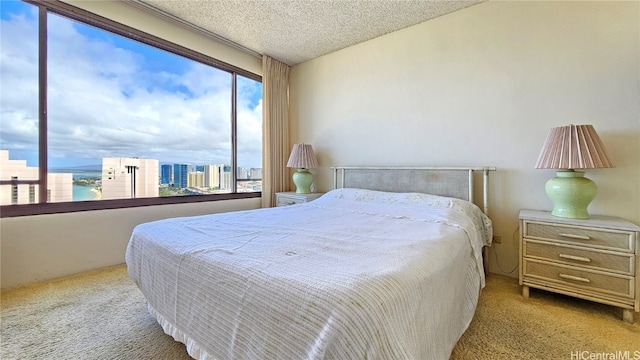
{"points": [[102, 315]]}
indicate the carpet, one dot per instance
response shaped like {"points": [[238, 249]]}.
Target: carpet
{"points": [[101, 314]]}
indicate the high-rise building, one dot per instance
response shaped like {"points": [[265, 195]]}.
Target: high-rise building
{"points": [[181, 175], [59, 186], [225, 177], [124, 178], [195, 179], [242, 173], [212, 176], [255, 173], [166, 176]]}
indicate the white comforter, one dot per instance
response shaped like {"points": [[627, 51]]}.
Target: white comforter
{"points": [[355, 274]]}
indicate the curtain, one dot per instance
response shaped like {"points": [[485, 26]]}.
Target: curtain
{"points": [[275, 129]]}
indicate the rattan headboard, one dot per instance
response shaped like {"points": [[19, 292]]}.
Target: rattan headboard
{"points": [[454, 182]]}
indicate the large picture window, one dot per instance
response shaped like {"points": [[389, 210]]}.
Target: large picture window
{"points": [[113, 117]]}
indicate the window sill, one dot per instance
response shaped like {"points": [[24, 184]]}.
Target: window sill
{"points": [[7, 211]]}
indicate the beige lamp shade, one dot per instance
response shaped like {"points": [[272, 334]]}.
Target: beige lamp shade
{"points": [[573, 147], [302, 157], [568, 148]]}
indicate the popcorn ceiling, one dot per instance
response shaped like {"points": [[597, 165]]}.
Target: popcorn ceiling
{"points": [[296, 31]]}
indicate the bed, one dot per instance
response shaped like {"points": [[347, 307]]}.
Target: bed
{"points": [[388, 265]]}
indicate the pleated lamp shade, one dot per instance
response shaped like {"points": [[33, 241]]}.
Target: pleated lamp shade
{"points": [[573, 147], [568, 148], [302, 157]]}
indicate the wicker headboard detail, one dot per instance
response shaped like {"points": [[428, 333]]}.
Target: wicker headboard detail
{"points": [[454, 182]]}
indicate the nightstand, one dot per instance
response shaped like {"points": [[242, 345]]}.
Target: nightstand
{"points": [[291, 198], [595, 259]]}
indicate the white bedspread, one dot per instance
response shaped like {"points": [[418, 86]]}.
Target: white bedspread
{"points": [[355, 274]]}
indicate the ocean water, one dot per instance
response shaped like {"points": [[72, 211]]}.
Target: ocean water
{"points": [[83, 193]]}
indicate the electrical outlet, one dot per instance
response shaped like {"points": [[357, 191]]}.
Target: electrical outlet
{"points": [[497, 239]]}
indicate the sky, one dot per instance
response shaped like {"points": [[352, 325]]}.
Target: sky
{"points": [[113, 97]]}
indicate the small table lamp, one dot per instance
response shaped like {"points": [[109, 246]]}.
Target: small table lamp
{"points": [[303, 158], [568, 148]]}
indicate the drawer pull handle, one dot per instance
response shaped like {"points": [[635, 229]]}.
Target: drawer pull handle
{"points": [[573, 257], [574, 278], [574, 236]]}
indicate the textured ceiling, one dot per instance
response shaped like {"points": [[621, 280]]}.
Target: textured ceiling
{"points": [[294, 31]]}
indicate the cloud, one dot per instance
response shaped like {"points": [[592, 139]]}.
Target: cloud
{"points": [[19, 85], [106, 99]]}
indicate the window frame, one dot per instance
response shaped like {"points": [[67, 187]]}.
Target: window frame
{"points": [[86, 17]]}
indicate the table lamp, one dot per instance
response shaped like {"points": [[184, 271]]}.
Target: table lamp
{"points": [[303, 158], [568, 148]]}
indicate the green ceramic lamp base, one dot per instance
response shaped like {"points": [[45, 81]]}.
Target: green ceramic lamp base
{"points": [[571, 194], [303, 180]]}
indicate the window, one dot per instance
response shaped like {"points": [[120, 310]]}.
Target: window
{"points": [[14, 190], [32, 194], [121, 117], [249, 127]]}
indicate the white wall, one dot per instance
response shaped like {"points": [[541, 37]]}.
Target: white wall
{"points": [[41, 247], [48, 246], [483, 86]]}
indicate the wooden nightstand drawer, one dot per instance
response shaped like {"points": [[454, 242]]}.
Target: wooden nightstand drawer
{"points": [[288, 200], [572, 255], [292, 198], [583, 236], [580, 278]]}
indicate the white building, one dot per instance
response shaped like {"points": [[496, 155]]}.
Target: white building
{"points": [[255, 173], [225, 177], [59, 186], [126, 178], [212, 176], [242, 173]]}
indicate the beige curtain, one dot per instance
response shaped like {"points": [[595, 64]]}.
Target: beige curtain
{"points": [[275, 129]]}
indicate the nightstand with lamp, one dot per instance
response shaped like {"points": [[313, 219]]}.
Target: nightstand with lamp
{"points": [[303, 158], [568, 251]]}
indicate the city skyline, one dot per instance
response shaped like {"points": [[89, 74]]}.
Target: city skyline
{"points": [[119, 178], [97, 167]]}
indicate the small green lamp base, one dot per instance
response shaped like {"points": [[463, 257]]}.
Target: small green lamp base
{"points": [[571, 194], [303, 180]]}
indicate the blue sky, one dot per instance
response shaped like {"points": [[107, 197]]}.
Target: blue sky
{"points": [[114, 97]]}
